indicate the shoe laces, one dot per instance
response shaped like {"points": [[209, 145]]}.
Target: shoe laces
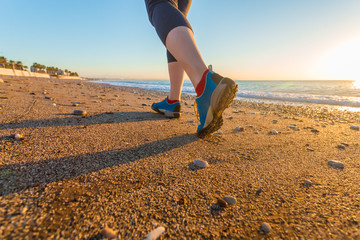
{"points": [[196, 110]]}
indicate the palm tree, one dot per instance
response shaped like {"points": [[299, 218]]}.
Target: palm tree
{"points": [[19, 65], [3, 61], [11, 64]]}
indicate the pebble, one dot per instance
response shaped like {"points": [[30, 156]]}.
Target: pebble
{"points": [[307, 183], [340, 146], [18, 136], [354, 127], [230, 200], [345, 144], [144, 104], [108, 233], [190, 121], [200, 163], [336, 164], [315, 130], [265, 228], [53, 104], [80, 112], [222, 203], [49, 98], [230, 117], [274, 132], [219, 132], [275, 121], [239, 129], [154, 234]]}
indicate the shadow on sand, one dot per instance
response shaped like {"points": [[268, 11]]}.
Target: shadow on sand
{"points": [[102, 118], [17, 177]]}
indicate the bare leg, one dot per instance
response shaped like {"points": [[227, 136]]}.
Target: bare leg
{"points": [[181, 43], [176, 73]]}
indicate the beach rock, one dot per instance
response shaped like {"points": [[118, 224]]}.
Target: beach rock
{"points": [[274, 132], [354, 127], [294, 127], [79, 112], [200, 163], [155, 233], [108, 233], [307, 183], [239, 129], [219, 133], [49, 98], [18, 136], [222, 203], [336, 164], [340, 146], [265, 228], [230, 200]]}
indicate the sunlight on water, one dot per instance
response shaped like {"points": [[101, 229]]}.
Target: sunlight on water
{"points": [[356, 84]]}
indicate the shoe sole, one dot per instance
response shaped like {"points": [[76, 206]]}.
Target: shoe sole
{"points": [[221, 99], [168, 114]]}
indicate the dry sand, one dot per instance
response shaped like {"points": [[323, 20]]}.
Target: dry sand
{"points": [[130, 169]]}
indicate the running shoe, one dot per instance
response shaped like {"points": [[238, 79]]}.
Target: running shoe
{"points": [[218, 94], [169, 110]]}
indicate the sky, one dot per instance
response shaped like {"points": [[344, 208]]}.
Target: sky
{"points": [[245, 40]]}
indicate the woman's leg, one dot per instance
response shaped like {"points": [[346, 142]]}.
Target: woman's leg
{"points": [[176, 74], [176, 71]]}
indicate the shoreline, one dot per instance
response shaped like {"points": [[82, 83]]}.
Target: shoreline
{"points": [[124, 167], [273, 100]]}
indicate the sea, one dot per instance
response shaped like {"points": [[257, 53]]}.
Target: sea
{"points": [[344, 93]]}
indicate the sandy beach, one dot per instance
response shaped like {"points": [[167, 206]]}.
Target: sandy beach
{"points": [[127, 168]]}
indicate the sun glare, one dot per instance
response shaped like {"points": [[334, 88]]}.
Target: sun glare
{"points": [[343, 62]]}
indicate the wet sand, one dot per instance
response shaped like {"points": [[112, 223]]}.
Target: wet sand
{"points": [[129, 168]]}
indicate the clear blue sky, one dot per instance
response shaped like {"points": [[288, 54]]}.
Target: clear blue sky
{"points": [[246, 40]]}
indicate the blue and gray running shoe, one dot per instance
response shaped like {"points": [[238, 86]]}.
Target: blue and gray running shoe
{"points": [[218, 94], [169, 110]]}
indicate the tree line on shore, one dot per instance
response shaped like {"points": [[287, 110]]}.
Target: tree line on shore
{"points": [[35, 67]]}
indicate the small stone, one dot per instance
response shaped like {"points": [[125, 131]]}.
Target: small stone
{"points": [[190, 121], [239, 129], [258, 192], [275, 121], [253, 113], [155, 233], [307, 183], [182, 201], [336, 164], [201, 163], [274, 132], [345, 144], [49, 98], [144, 104], [75, 105], [222, 203], [18, 136], [53, 104], [265, 228], [79, 112], [310, 149], [230, 200], [315, 130], [108, 233], [219, 133], [340, 146], [230, 117], [354, 127]]}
